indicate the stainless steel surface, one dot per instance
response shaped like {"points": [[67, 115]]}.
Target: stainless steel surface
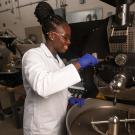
{"points": [[128, 94], [78, 120], [113, 126], [118, 74], [121, 59], [123, 94], [124, 43], [9, 72], [118, 83], [125, 14], [122, 14]]}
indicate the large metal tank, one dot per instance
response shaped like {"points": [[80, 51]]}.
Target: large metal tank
{"points": [[78, 120], [9, 74]]}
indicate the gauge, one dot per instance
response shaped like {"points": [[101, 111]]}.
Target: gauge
{"points": [[121, 59]]}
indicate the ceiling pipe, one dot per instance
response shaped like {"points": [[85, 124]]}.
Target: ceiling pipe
{"points": [[21, 6]]}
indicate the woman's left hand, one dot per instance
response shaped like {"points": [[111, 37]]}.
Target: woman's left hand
{"points": [[79, 101]]}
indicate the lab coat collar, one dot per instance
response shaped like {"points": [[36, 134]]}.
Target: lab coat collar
{"points": [[46, 50], [49, 54]]}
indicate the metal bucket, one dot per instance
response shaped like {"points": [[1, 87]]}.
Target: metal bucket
{"points": [[78, 120]]}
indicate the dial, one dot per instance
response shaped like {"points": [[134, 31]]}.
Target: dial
{"points": [[121, 59]]}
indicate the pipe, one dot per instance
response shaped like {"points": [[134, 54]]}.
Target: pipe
{"points": [[31, 3], [113, 126]]}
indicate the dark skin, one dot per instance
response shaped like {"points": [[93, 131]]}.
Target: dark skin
{"points": [[59, 41]]}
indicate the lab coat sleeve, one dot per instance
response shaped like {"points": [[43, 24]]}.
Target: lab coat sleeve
{"points": [[45, 83]]}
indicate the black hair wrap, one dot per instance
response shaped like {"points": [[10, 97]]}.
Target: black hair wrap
{"points": [[47, 18], [44, 12]]}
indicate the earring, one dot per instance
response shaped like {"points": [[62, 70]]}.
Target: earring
{"points": [[52, 39]]}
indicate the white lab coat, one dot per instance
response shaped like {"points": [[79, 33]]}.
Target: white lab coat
{"points": [[46, 81]]}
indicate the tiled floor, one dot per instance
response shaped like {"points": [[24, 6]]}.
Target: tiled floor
{"points": [[7, 127]]}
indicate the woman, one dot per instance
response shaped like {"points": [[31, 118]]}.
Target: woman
{"points": [[46, 78]]}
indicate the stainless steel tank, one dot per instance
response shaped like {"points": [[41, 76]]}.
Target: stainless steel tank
{"points": [[79, 119]]}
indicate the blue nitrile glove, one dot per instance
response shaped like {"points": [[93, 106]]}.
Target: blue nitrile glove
{"points": [[87, 60], [78, 101]]}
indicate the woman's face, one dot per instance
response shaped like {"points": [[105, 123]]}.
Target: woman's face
{"points": [[61, 38]]}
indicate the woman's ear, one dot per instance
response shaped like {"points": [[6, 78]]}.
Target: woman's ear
{"points": [[51, 36]]}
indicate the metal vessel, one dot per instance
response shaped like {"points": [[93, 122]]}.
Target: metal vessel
{"points": [[99, 117]]}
